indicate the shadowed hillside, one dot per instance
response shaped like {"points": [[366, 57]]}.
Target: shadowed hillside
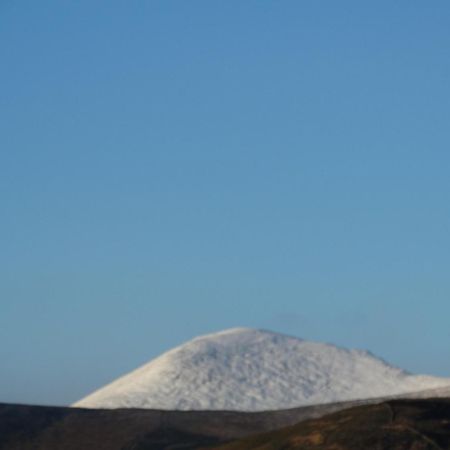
{"points": [[397, 425], [46, 428], [392, 425]]}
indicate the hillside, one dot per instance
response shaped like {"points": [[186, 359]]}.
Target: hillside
{"points": [[25, 427], [393, 425], [389, 425]]}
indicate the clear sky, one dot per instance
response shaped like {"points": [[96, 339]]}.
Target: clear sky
{"points": [[173, 168]]}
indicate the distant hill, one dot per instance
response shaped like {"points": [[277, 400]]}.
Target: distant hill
{"points": [[253, 370]]}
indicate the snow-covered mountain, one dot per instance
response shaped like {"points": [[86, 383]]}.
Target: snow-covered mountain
{"points": [[252, 370]]}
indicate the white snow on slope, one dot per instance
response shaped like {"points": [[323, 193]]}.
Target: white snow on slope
{"points": [[253, 370]]}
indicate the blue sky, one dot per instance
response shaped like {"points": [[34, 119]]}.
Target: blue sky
{"points": [[173, 168]]}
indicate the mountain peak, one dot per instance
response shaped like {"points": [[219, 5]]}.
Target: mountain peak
{"points": [[251, 369]]}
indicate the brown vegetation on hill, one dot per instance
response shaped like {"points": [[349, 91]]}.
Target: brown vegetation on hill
{"points": [[390, 425]]}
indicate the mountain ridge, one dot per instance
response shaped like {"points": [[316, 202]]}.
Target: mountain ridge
{"points": [[253, 370]]}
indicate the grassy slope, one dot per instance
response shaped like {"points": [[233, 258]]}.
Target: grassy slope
{"points": [[54, 428], [393, 425]]}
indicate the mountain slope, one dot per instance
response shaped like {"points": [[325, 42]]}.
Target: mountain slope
{"points": [[393, 425], [399, 425], [251, 370]]}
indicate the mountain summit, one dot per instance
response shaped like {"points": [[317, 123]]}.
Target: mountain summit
{"points": [[251, 370]]}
